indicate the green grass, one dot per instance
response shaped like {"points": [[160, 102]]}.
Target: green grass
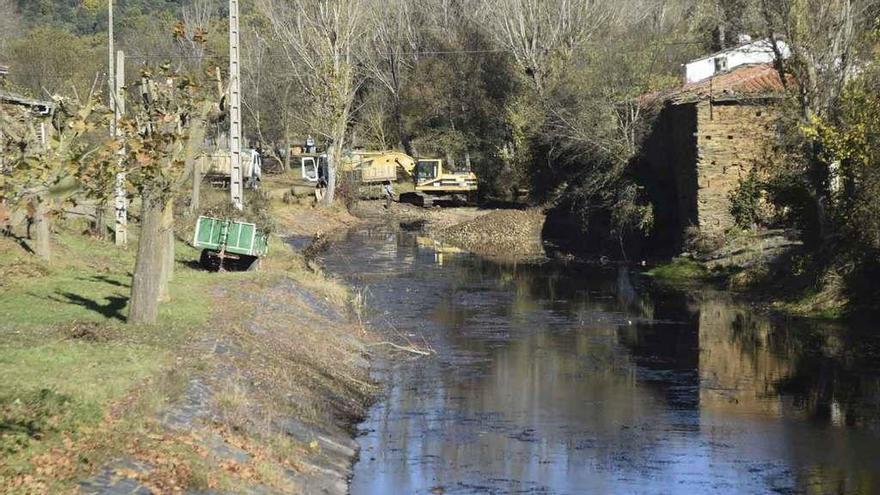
{"points": [[679, 270], [92, 284], [66, 353], [79, 383]]}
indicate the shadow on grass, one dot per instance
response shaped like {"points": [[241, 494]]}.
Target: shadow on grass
{"points": [[112, 309], [105, 279], [28, 417], [21, 241], [193, 265]]}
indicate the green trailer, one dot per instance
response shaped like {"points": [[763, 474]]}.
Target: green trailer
{"points": [[228, 243]]}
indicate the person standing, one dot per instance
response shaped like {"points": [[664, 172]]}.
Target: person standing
{"points": [[388, 190]]}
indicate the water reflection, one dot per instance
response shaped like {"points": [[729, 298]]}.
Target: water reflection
{"points": [[575, 379]]}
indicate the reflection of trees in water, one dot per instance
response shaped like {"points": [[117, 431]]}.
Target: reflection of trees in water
{"points": [[740, 361], [568, 289], [753, 363]]}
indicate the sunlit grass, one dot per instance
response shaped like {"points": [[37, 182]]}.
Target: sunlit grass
{"points": [[679, 270], [67, 355]]}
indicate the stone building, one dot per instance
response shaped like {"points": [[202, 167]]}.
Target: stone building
{"points": [[707, 136]]}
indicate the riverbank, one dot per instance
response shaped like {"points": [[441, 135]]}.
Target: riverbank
{"points": [[249, 383], [770, 270]]}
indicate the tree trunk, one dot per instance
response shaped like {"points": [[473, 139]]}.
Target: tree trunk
{"points": [[166, 234], [196, 139], [144, 303], [196, 189], [405, 140], [42, 231], [99, 230], [332, 160]]}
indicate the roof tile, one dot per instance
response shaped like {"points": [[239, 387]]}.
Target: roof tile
{"points": [[747, 81]]}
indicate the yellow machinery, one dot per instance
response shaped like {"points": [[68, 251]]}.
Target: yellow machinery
{"points": [[432, 183]]}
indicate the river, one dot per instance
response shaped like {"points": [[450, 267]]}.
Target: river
{"points": [[565, 378]]}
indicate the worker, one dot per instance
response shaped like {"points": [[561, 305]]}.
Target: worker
{"points": [[388, 190]]}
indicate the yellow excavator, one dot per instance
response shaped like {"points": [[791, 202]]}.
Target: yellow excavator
{"points": [[371, 169]]}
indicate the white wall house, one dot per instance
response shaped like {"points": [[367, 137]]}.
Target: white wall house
{"points": [[755, 52]]}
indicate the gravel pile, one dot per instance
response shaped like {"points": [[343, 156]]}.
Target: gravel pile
{"points": [[509, 234]]}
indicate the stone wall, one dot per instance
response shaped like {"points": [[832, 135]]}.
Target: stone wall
{"points": [[732, 138]]}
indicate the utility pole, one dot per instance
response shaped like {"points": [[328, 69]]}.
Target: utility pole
{"points": [[121, 203], [111, 71], [115, 82], [236, 189]]}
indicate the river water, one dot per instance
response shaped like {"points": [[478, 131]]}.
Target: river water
{"points": [[562, 378]]}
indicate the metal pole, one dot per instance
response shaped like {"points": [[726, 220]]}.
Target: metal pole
{"points": [[236, 189], [115, 81]]}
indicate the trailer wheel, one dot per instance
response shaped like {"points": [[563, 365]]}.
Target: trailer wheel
{"points": [[209, 260], [204, 259]]}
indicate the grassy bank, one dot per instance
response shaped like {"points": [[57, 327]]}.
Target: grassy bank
{"points": [[82, 388], [680, 271], [69, 361], [791, 286]]}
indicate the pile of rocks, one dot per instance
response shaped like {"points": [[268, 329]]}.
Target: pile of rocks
{"points": [[507, 234]]}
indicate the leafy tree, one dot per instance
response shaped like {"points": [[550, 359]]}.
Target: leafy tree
{"points": [[39, 176], [852, 144], [50, 60], [10, 23], [824, 38], [161, 134]]}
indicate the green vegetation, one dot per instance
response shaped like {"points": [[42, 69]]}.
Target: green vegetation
{"points": [[679, 270], [67, 357], [82, 387]]}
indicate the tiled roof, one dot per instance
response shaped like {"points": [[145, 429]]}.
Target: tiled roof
{"points": [[744, 82]]}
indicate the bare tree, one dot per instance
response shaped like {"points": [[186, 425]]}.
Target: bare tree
{"points": [[191, 32], [270, 97], [822, 36], [541, 34], [395, 44], [323, 42], [10, 22]]}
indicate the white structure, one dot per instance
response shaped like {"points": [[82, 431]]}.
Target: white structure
{"points": [[236, 186], [756, 52]]}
